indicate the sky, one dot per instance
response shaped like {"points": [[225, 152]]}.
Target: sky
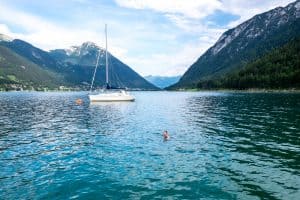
{"points": [[153, 37]]}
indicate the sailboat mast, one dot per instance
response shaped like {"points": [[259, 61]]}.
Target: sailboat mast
{"points": [[106, 59]]}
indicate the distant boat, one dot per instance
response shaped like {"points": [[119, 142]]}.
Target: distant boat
{"points": [[108, 94]]}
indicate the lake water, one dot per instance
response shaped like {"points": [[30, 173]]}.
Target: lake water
{"points": [[222, 146]]}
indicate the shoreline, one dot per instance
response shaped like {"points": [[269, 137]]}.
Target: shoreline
{"points": [[181, 90], [3, 91], [252, 90]]}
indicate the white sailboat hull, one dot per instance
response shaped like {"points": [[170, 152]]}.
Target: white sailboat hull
{"points": [[111, 97]]}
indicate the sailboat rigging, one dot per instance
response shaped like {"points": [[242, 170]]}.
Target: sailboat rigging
{"points": [[108, 95]]}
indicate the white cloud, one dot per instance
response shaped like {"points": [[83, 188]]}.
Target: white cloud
{"points": [[170, 63], [5, 30], [184, 23], [194, 27], [185, 13], [39, 31], [48, 35], [189, 8]]}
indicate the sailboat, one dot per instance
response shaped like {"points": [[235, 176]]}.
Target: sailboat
{"points": [[107, 94]]}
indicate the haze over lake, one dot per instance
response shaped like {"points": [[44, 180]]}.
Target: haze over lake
{"points": [[223, 146]]}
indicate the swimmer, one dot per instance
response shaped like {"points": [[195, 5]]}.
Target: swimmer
{"points": [[78, 101], [166, 135]]}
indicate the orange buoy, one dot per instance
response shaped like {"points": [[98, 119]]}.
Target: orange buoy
{"points": [[79, 101]]}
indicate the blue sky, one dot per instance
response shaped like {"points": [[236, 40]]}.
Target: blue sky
{"points": [[154, 37]]}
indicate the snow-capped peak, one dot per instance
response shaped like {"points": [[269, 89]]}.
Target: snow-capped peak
{"points": [[297, 5], [83, 49], [5, 38], [89, 45]]}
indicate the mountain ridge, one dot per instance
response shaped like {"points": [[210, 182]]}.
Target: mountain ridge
{"points": [[17, 72], [85, 56], [244, 43], [278, 69], [162, 81], [73, 68]]}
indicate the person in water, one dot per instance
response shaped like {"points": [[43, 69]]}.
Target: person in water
{"points": [[166, 135]]}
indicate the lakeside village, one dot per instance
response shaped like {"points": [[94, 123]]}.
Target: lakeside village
{"points": [[20, 87], [40, 88], [12, 84]]}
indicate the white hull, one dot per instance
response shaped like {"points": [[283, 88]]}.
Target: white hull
{"points": [[111, 97]]}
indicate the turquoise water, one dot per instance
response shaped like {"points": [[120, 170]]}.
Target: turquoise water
{"points": [[222, 146]]}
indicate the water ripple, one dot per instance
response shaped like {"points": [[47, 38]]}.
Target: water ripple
{"points": [[223, 146]]}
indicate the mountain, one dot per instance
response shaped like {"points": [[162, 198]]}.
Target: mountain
{"points": [[71, 67], [162, 81], [19, 72], [32, 53], [278, 69], [245, 43], [44, 64], [81, 60]]}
